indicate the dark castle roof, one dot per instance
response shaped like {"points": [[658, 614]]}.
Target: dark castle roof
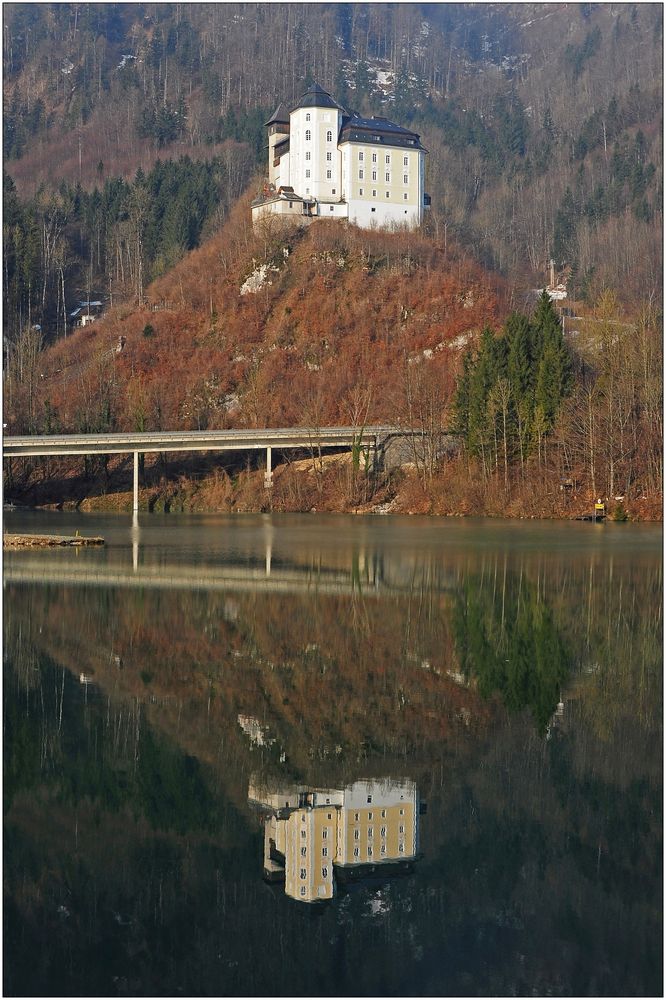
{"points": [[279, 117], [317, 97], [379, 130], [353, 128]]}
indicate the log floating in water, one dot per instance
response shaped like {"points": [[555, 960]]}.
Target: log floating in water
{"points": [[47, 541]]}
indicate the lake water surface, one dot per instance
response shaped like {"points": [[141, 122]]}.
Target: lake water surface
{"points": [[323, 756]]}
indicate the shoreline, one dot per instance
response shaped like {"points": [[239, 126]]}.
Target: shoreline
{"points": [[334, 487]]}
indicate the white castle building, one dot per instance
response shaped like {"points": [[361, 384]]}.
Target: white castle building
{"points": [[326, 163]]}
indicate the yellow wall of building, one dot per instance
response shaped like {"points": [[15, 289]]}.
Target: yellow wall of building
{"points": [[377, 818]]}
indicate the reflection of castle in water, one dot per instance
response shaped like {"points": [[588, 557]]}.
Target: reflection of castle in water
{"points": [[313, 837]]}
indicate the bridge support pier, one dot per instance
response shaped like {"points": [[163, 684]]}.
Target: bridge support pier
{"points": [[268, 475], [135, 498]]}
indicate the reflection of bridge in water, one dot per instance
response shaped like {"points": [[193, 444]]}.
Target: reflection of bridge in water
{"points": [[367, 574]]}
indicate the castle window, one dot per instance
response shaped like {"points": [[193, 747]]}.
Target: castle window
{"points": [[303, 890], [401, 829], [360, 175], [329, 157], [383, 831], [304, 874], [370, 832], [332, 190], [374, 175], [405, 179], [369, 851], [382, 849], [401, 848], [304, 851], [308, 135], [356, 816], [402, 812], [360, 194], [324, 873], [373, 209], [387, 177], [324, 833], [374, 157], [357, 834], [324, 852], [329, 136], [357, 852], [370, 814], [328, 175], [304, 833], [360, 155], [374, 194], [307, 173], [405, 196], [388, 157], [383, 813], [405, 161], [307, 117], [308, 155], [332, 208], [388, 194]]}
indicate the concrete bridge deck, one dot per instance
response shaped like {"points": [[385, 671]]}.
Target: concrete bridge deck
{"points": [[214, 440]]}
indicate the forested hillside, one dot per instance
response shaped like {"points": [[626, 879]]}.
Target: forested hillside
{"points": [[544, 135], [542, 124]]}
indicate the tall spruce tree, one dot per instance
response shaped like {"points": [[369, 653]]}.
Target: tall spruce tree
{"points": [[509, 393]]}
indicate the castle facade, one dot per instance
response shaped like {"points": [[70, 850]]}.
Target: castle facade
{"points": [[326, 163]]}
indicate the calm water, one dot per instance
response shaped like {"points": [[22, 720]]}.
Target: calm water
{"points": [[298, 756]]}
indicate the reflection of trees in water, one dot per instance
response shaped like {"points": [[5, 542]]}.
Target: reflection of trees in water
{"points": [[61, 735], [507, 640], [541, 867], [532, 871]]}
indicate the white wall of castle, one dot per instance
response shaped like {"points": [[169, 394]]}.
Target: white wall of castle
{"points": [[370, 184], [315, 157]]}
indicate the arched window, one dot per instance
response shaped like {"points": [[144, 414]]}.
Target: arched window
{"points": [[307, 117], [308, 135], [329, 136]]}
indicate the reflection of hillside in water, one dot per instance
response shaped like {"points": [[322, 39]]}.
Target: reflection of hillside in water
{"points": [[315, 838], [126, 795], [374, 668]]}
